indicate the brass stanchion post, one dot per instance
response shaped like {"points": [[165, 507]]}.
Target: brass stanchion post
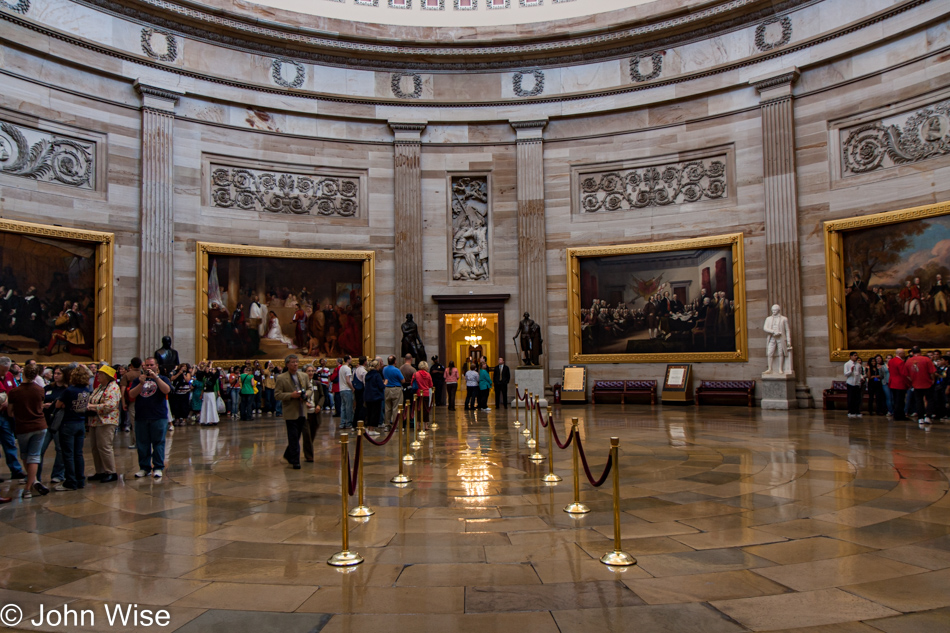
{"points": [[408, 456], [416, 408], [517, 423], [577, 507], [345, 558], [401, 478], [422, 409], [528, 426], [536, 456], [551, 477], [618, 557], [434, 426], [361, 510]]}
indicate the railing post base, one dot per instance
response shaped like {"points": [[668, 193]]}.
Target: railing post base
{"points": [[345, 558]]}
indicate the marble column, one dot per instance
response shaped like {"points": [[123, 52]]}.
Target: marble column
{"points": [[532, 267], [407, 223], [783, 262], [157, 290]]}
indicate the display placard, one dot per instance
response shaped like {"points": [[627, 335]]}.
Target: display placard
{"points": [[678, 384], [574, 384]]}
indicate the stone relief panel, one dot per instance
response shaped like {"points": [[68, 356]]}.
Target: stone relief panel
{"points": [[470, 258], [654, 186], [46, 156], [905, 138], [274, 191]]}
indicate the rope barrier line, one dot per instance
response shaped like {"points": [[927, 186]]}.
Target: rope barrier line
{"points": [[570, 437], [389, 436], [596, 483]]}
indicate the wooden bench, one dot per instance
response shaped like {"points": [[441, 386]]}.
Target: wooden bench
{"points": [[838, 394], [639, 391], [608, 389], [736, 392]]}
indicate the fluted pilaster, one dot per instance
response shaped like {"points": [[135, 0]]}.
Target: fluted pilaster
{"points": [[157, 290], [783, 263], [407, 155], [532, 267]]}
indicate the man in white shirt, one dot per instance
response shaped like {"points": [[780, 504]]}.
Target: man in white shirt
{"points": [[854, 376], [359, 383], [346, 394]]}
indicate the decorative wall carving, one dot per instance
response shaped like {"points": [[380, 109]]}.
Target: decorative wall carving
{"points": [[762, 29], [440, 7], [471, 7], [470, 228], [396, 84], [283, 192], [656, 69], [47, 157], [277, 73], [905, 138], [538, 83], [171, 45], [662, 185], [22, 6]]}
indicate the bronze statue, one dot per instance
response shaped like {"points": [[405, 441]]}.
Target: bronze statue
{"points": [[166, 357], [529, 334], [411, 342]]}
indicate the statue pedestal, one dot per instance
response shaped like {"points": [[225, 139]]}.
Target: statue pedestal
{"points": [[778, 391], [530, 378]]}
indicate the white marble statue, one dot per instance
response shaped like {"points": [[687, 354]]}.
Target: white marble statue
{"points": [[779, 348]]}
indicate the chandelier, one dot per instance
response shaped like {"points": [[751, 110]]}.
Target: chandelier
{"points": [[473, 321]]}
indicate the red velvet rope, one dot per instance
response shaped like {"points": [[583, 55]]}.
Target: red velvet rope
{"points": [[610, 462], [570, 437], [392, 430], [354, 474]]}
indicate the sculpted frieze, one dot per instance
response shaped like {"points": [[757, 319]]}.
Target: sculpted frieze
{"points": [[653, 186], [898, 140], [470, 228], [284, 192], [46, 156]]}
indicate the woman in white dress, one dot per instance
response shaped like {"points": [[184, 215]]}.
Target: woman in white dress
{"points": [[274, 333], [207, 375]]}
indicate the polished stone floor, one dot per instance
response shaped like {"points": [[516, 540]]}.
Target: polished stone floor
{"points": [[740, 520]]}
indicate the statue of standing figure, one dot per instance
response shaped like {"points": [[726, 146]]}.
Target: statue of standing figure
{"points": [[779, 347], [411, 342], [529, 333]]}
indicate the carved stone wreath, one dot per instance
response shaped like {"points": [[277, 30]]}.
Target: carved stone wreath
{"points": [[22, 6], [426, 7], [924, 134], [276, 73], [171, 45], [760, 31], [50, 158], [657, 60], [395, 83], [538, 83], [297, 194], [678, 183]]}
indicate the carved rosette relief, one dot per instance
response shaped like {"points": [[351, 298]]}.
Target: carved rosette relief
{"points": [[46, 157], [293, 79], [899, 140], [170, 45], [677, 183], [282, 192], [470, 228]]}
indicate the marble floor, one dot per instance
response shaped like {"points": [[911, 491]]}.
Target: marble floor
{"points": [[741, 520]]}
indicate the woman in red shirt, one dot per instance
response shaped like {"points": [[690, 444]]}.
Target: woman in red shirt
{"points": [[422, 381]]}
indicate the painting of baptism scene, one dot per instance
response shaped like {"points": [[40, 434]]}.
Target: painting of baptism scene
{"points": [[47, 300], [897, 284], [670, 302], [263, 307]]}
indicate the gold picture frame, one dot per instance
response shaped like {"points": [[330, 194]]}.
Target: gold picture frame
{"points": [[732, 241], [835, 232], [104, 245], [206, 249]]}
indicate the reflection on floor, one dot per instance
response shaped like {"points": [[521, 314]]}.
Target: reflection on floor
{"points": [[740, 520]]}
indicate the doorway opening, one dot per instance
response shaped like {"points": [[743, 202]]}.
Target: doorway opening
{"points": [[470, 337]]}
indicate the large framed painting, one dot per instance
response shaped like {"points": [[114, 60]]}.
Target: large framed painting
{"points": [[889, 281], [658, 302], [265, 303], [55, 293]]}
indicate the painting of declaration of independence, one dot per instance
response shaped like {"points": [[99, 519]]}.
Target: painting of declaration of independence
{"points": [[897, 284], [269, 307], [47, 298], [674, 303]]}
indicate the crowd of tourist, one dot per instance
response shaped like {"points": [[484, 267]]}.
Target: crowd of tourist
{"points": [[63, 405], [902, 385]]}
